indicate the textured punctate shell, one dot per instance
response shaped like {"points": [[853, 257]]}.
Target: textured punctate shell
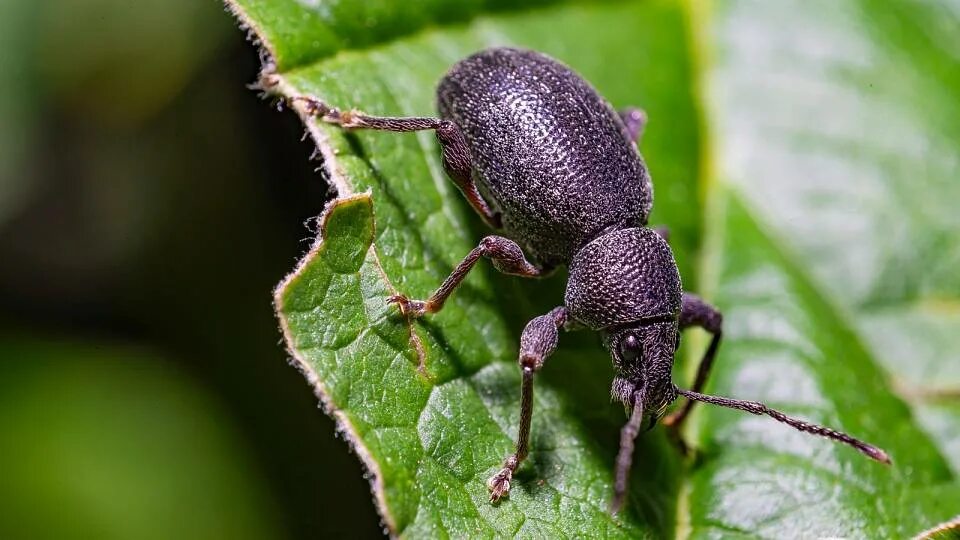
{"points": [[548, 151], [622, 277]]}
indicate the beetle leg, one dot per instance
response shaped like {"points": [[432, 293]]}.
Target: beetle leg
{"points": [[506, 256], [453, 145], [538, 341], [696, 312], [634, 120], [628, 436]]}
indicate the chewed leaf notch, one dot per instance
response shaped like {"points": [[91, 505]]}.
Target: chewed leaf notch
{"points": [[428, 447]]}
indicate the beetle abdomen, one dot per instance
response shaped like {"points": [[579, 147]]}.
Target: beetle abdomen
{"points": [[549, 152]]}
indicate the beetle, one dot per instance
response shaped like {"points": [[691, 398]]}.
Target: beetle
{"points": [[542, 157]]}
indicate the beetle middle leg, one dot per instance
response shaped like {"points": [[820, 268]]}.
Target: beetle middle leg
{"points": [[538, 341], [695, 311], [506, 256], [456, 154]]}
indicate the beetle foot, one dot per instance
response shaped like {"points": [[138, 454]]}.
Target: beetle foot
{"points": [[411, 308], [499, 484], [315, 107]]}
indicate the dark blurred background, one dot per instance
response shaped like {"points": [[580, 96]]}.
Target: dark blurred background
{"points": [[149, 203]]}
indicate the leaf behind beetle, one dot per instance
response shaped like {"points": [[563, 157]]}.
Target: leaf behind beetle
{"points": [[825, 238]]}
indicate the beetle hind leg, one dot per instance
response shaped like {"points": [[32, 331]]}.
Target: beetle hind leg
{"points": [[456, 153], [695, 312]]}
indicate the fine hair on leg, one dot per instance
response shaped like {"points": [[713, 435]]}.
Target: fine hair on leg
{"points": [[453, 144]]}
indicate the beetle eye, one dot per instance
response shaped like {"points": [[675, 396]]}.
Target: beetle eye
{"points": [[630, 348]]}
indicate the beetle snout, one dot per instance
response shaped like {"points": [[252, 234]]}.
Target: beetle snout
{"points": [[624, 389]]}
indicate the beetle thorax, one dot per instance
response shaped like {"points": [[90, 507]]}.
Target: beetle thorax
{"points": [[622, 277]]}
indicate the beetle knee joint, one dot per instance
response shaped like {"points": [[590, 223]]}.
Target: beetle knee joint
{"points": [[446, 128], [715, 322], [488, 244], [500, 248], [449, 135], [531, 362]]}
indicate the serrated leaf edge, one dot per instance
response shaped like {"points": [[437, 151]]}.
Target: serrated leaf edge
{"points": [[271, 82], [343, 423], [938, 531], [344, 194]]}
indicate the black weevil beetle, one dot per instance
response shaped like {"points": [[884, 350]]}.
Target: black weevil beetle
{"points": [[541, 156]]}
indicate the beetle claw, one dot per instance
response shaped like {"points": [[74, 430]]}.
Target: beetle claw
{"points": [[499, 484], [410, 308]]}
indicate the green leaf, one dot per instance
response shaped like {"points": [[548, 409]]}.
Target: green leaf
{"points": [[803, 152], [833, 247]]}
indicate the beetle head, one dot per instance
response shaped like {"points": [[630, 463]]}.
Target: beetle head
{"points": [[625, 284], [643, 358]]}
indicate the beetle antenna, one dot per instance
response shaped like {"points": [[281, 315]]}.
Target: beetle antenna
{"points": [[755, 407], [628, 435]]}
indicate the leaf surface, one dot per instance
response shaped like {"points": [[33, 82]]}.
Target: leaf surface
{"points": [[779, 186], [832, 245]]}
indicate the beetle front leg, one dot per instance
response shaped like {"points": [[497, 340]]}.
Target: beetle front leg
{"points": [[453, 145], [506, 256], [538, 341], [695, 312]]}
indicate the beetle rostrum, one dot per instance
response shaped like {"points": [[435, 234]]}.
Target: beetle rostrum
{"points": [[544, 159]]}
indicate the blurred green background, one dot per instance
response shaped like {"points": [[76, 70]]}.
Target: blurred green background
{"points": [[149, 203]]}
